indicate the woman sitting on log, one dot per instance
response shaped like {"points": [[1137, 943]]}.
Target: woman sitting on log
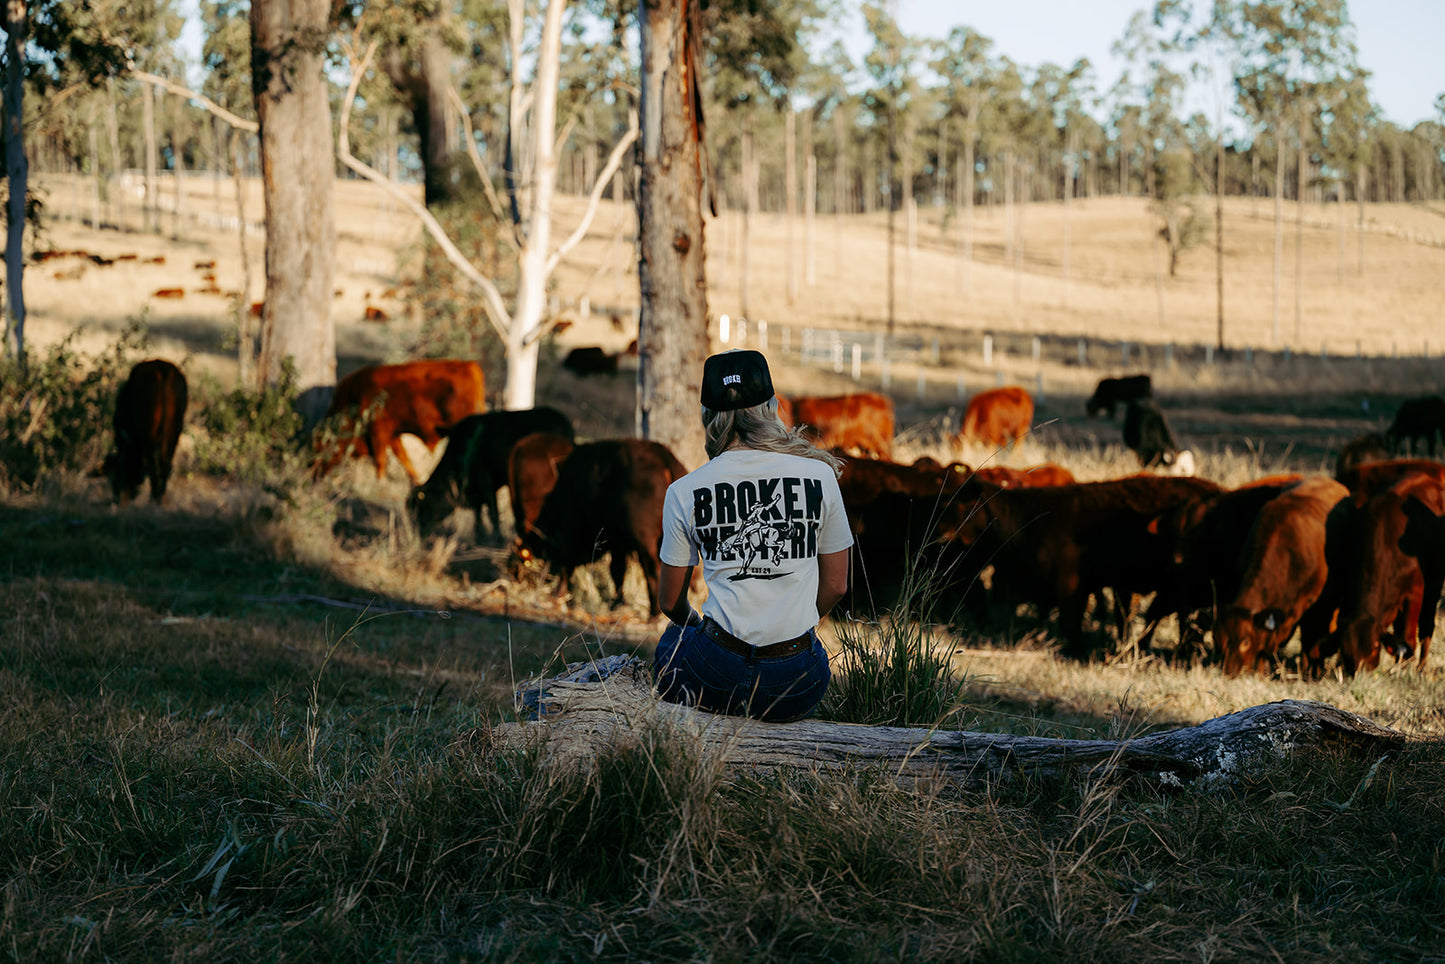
{"points": [[765, 518]]}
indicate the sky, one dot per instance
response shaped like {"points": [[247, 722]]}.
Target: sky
{"points": [[1399, 41]]}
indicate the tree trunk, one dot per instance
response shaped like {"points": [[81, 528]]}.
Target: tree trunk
{"points": [[178, 172], [148, 121], [968, 192], [888, 195], [117, 164], [609, 703], [1278, 230], [790, 198], [245, 339], [1068, 206], [750, 203], [94, 144], [672, 337], [840, 186], [810, 217], [424, 87], [1360, 216], [1302, 176], [17, 170], [297, 170]]}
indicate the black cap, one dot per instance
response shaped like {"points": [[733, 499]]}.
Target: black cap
{"points": [[736, 379]]}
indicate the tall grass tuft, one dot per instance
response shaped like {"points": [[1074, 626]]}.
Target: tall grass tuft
{"points": [[892, 672]]}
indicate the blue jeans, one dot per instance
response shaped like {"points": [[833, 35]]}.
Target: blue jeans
{"points": [[690, 668]]}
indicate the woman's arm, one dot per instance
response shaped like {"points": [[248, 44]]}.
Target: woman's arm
{"points": [[833, 572], [672, 593]]}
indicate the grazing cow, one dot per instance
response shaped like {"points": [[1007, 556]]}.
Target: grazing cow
{"points": [[1057, 545], [1369, 478], [590, 360], [416, 398], [374, 313], [532, 470], [1147, 434], [169, 293], [859, 423], [1204, 540], [997, 417], [149, 411], [1034, 476], [1118, 391], [1283, 578], [474, 465], [608, 500], [1417, 418], [1373, 447], [1396, 574]]}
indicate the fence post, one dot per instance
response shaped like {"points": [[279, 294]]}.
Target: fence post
{"points": [[1209, 354], [998, 377], [1248, 355], [742, 331], [1169, 355], [1124, 350], [879, 348], [762, 334], [987, 350], [962, 388], [883, 375], [787, 337], [857, 361], [724, 329], [1083, 354], [1037, 349], [933, 355], [1039, 386], [837, 353]]}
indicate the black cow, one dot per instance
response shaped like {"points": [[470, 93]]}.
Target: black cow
{"points": [[1118, 391], [474, 465], [1417, 418], [590, 360], [607, 500], [149, 411], [1147, 434]]}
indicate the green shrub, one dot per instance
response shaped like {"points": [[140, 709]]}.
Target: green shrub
{"points": [[57, 410], [252, 435]]}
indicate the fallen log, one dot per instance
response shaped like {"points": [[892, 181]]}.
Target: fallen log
{"points": [[610, 702]]}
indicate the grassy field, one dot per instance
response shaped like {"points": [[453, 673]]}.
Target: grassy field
{"points": [[243, 727]]}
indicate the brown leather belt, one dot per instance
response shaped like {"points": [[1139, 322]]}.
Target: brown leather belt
{"points": [[747, 650]]}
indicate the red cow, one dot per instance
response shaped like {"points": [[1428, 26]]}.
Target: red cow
{"points": [[997, 417], [1387, 584], [608, 500], [863, 480], [532, 475], [1285, 574], [1204, 540], [149, 411], [1372, 447], [416, 398], [1057, 545], [1032, 477], [1368, 478], [861, 422]]}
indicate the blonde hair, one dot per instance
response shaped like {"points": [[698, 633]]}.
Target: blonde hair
{"points": [[760, 428]]}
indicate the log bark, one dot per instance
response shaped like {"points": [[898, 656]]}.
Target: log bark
{"points": [[594, 705]]}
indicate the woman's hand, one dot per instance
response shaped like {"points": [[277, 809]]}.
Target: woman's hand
{"points": [[672, 593]]}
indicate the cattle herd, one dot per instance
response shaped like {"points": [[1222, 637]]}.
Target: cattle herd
{"points": [[1355, 562]]}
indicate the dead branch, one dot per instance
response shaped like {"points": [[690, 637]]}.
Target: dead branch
{"points": [[593, 705], [240, 123]]}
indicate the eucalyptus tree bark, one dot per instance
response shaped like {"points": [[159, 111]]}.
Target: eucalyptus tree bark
{"points": [[750, 204], [1360, 216], [297, 171], [94, 143], [840, 185], [1069, 152], [117, 164], [424, 85], [1219, 234], [1278, 229], [245, 340], [148, 122], [672, 338], [790, 198], [1302, 178], [17, 170]]}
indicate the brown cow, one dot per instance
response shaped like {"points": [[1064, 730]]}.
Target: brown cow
{"points": [[861, 423], [998, 417], [1386, 584], [1285, 574], [414, 398], [1372, 447], [1369, 478], [149, 411], [1057, 545], [532, 469], [607, 501]]}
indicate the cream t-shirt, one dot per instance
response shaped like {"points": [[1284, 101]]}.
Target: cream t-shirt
{"points": [[757, 522]]}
